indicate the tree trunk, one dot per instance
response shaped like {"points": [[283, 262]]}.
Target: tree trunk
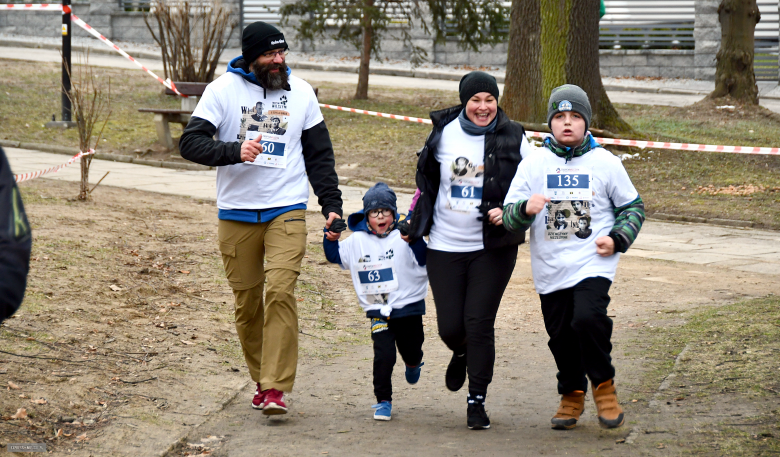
{"points": [[523, 99], [582, 64], [555, 32], [367, 32], [734, 74], [84, 185]]}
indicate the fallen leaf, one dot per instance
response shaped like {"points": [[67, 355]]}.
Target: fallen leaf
{"points": [[187, 342], [186, 272], [21, 413], [81, 438], [11, 385], [92, 348], [115, 288], [58, 434], [23, 396], [40, 401]]}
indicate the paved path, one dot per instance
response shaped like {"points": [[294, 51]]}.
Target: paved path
{"points": [[314, 76], [750, 250]]}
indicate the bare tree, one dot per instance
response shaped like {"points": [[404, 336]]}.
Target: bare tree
{"points": [[191, 35], [91, 105], [363, 23], [734, 74]]}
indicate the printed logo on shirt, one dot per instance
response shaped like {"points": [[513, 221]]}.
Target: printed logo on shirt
{"points": [[567, 218], [259, 118], [281, 104]]}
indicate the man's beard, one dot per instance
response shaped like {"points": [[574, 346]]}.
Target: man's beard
{"points": [[271, 80]]}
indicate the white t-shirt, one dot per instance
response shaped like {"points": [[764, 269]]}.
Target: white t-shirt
{"points": [[383, 263], [563, 235], [461, 159], [241, 110]]}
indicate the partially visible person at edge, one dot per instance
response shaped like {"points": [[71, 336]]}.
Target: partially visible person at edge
{"points": [[15, 243], [573, 275], [262, 192], [470, 254]]}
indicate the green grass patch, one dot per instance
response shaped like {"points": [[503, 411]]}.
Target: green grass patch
{"points": [[729, 374]]}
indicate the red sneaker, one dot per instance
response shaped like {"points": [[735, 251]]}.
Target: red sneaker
{"points": [[274, 402], [259, 401]]}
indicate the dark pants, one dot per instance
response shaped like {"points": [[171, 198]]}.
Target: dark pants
{"points": [[467, 288], [404, 332], [580, 331]]}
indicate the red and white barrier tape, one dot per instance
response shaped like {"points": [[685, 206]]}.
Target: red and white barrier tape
{"points": [[31, 6], [37, 174], [614, 141], [165, 82]]}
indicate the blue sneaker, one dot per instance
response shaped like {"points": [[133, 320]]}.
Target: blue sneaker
{"points": [[413, 373], [383, 410]]}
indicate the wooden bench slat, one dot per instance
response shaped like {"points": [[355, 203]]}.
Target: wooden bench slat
{"points": [[195, 89], [164, 111]]}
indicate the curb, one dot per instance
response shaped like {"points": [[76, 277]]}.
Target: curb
{"points": [[350, 68], [701, 220], [105, 156]]}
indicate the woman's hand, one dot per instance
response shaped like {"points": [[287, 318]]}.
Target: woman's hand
{"points": [[495, 216], [536, 204]]}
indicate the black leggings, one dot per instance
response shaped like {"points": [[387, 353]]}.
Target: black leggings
{"points": [[404, 332], [580, 331], [467, 289]]}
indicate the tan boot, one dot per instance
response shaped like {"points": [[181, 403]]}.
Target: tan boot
{"points": [[609, 411], [569, 411]]}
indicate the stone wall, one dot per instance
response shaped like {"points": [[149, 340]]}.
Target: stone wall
{"points": [[706, 32]]}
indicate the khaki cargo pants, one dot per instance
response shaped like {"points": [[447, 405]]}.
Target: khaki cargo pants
{"points": [[267, 329]]}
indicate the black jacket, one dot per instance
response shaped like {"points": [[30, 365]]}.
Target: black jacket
{"points": [[198, 145], [15, 243], [502, 156]]}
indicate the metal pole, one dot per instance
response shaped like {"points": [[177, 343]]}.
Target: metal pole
{"points": [[66, 107]]}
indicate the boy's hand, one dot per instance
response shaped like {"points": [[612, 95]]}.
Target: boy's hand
{"points": [[495, 216], [605, 246], [332, 236], [251, 149], [536, 204]]}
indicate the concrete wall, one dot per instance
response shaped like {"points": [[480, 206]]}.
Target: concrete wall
{"points": [[104, 16]]}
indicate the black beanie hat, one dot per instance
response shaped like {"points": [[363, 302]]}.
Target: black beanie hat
{"points": [[258, 38], [476, 82]]}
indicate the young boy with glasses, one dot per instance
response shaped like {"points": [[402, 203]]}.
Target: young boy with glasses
{"points": [[391, 282]]}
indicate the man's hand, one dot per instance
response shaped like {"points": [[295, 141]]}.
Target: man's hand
{"points": [[332, 236], [605, 246], [251, 149], [536, 204], [495, 216]]}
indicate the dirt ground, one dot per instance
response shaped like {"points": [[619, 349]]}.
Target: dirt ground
{"points": [[125, 345]]}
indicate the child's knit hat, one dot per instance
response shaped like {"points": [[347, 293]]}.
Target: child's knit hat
{"points": [[569, 97], [379, 196]]}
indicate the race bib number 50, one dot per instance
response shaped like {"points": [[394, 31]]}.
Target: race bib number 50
{"points": [[273, 154]]}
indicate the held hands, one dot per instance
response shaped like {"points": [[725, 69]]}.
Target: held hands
{"points": [[335, 225], [605, 246], [251, 149], [495, 216], [536, 204]]}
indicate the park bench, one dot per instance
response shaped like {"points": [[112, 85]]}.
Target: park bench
{"points": [[164, 116]]}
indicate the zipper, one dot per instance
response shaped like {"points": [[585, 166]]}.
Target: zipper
{"points": [[294, 219]]}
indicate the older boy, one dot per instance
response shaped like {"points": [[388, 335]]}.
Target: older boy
{"points": [[572, 273]]}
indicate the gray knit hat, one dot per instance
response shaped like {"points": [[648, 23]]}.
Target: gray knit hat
{"points": [[569, 97]]}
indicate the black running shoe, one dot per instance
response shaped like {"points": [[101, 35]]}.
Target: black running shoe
{"points": [[456, 372], [477, 417]]}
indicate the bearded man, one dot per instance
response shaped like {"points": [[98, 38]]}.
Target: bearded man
{"points": [[262, 192]]}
